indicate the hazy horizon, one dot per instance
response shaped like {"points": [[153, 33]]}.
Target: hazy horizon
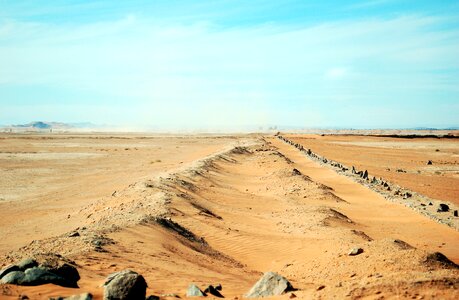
{"points": [[231, 64]]}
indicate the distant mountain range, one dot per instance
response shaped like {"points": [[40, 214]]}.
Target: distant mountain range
{"points": [[54, 125]]}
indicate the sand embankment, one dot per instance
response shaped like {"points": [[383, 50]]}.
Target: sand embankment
{"points": [[262, 207]]}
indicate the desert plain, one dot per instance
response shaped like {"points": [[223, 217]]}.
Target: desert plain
{"points": [[224, 209]]}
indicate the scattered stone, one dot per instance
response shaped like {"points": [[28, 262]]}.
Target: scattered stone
{"points": [[362, 234], [36, 276], [14, 277], [430, 203], [73, 234], [429, 162], [292, 295], [440, 259], [296, 172], [29, 272], [402, 244], [85, 296], [355, 251], [213, 291], [8, 269], [152, 297], [270, 284], [194, 291], [443, 207], [125, 284], [170, 295], [365, 175], [456, 214], [321, 287], [41, 275], [27, 264]]}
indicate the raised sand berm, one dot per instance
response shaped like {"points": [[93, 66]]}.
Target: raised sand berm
{"points": [[141, 200], [250, 211], [429, 207], [373, 209]]}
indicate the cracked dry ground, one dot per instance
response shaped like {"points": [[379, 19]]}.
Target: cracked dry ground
{"points": [[248, 211]]}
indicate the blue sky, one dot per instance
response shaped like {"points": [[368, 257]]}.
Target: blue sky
{"points": [[231, 64]]}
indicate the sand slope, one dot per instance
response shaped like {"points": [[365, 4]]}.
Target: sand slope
{"points": [[235, 214]]}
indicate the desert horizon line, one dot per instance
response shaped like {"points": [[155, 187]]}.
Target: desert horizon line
{"points": [[88, 125]]}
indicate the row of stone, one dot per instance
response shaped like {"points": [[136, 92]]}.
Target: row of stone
{"points": [[383, 184]]}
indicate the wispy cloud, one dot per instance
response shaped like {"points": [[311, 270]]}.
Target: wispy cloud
{"points": [[199, 73]]}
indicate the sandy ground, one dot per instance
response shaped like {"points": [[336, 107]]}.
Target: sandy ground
{"points": [[247, 210]]}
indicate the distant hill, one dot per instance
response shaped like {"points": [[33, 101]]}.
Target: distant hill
{"points": [[41, 125]]}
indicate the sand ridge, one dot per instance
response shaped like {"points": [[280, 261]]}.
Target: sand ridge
{"points": [[258, 207]]}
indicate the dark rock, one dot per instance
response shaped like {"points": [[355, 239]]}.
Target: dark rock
{"points": [[27, 264], [402, 244], [85, 296], [439, 259], [430, 203], [73, 234], [443, 207], [170, 295], [456, 214], [219, 287], [213, 291], [125, 284], [429, 162], [35, 276], [152, 297], [270, 284], [355, 251], [296, 172], [194, 291], [67, 271], [320, 287], [8, 269], [365, 175], [14, 277], [40, 275]]}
